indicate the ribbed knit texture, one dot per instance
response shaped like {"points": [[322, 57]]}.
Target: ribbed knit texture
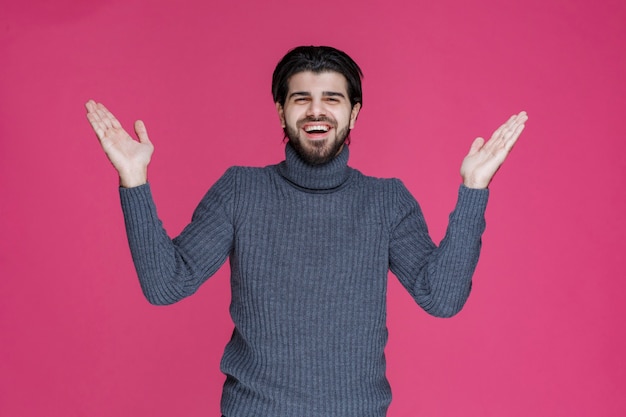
{"points": [[310, 249]]}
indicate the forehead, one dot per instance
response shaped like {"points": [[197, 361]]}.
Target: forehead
{"points": [[308, 81]]}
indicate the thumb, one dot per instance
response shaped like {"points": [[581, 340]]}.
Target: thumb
{"points": [[476, 145], [142, 133]]}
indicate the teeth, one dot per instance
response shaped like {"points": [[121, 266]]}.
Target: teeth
{"points": [[317, 127]]}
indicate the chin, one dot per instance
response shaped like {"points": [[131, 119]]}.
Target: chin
{"points": [[317, 153]]}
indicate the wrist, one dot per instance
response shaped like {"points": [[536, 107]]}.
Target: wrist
{"points": [[475, 184], [132, 179]]}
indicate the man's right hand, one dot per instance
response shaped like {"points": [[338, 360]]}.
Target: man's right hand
{"points": [[129, 157]]}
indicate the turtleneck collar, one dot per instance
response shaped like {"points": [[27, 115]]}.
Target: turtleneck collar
{"points": [[327, 176]]}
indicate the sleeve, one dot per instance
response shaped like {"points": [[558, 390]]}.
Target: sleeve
{"points": [[172, 269], [438, 278]]}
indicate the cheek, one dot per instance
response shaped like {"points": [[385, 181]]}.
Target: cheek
{"points": [[289, 117], [296, 118], [348, 119]]}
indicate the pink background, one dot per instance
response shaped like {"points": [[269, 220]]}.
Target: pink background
{"points": [[543, 333]]}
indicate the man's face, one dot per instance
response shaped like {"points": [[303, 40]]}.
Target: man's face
{"points": [[317, 115]]}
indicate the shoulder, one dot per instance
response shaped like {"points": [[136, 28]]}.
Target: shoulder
{"points": [[244, 176], [389, 186], [389, 194]]}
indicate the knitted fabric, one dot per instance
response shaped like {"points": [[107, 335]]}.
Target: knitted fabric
{"points": [[310, 248]]}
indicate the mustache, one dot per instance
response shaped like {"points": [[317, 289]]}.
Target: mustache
{"points": [[311, 119]]}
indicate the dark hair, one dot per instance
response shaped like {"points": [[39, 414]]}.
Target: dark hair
{"points": [[316, 59]]}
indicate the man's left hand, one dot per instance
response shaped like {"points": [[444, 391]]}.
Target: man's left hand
{"points": [[485, 158]]}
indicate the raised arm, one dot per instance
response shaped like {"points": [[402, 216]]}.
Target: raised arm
{"points": [[440, 277], [485, 158], [168, 269], [129, 156]]}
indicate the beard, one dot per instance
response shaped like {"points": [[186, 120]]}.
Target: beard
{"points": [[317, 152]]}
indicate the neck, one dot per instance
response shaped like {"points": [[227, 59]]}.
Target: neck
{"points": [[327, 176]]}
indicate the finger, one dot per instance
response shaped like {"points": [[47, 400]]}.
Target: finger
{"points": [[104, 116], [496, 140], [509, 125], [523, 114], [98, 130], [114, 122], [107, 117], [96, 124], [92, 111], [506, 131], [476, 145], [514, 129], [520, 119], [142, 132], [497, 134], [93, 118], [90, 106], [513, 138]]}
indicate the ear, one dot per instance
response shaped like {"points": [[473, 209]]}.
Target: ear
{"points": [[281, 115], [354, 114]]}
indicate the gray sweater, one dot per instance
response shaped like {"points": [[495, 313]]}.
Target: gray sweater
{"points": [[310, 249]]}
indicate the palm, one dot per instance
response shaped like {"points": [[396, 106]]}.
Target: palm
{"points": [[485, 158], [129, 157], [122, 149]]}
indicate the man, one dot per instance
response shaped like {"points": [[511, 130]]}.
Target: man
{"points": [[310, 242]]}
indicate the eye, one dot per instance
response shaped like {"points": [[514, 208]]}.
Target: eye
{"points": [[333, 99]]}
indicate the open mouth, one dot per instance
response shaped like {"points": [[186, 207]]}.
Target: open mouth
{"points": [[316, 129]]}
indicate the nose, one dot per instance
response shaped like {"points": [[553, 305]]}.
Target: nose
{"points": [[316, 108]]}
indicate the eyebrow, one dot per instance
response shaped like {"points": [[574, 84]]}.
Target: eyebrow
{"points": [[324, 94]]}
